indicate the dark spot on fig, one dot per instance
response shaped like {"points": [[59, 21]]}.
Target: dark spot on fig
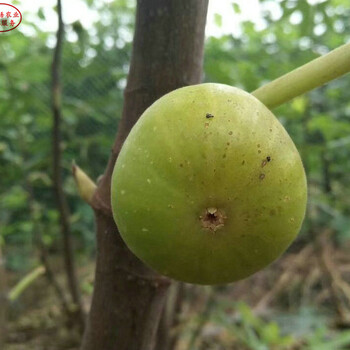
{"points": [[228, 144], [268, 158], [272, 212], [258, 145], [261, 176], [229, 100], [224, 156], [243, 162], [259, 151], [206, 125], [230, 133], [209, 116], [181, 165], [213, 219]]}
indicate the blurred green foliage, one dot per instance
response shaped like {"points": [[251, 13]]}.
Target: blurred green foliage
{"points": [[95, 66], [234, 325], [305, 331]]}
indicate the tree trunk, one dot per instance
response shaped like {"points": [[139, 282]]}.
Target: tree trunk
{"points": [[128, 296]]}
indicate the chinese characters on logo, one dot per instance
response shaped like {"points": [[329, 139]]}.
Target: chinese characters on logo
{"points": [[10, 17]]}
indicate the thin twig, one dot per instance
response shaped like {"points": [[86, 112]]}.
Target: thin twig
{"points": [[38, 233], [204, 317], [52, 279], [328, 275], [3, 300], [283, 280], [60, 198], [170, 319]]}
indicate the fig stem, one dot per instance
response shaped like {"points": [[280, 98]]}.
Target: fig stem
{"points": [[305, 78]]}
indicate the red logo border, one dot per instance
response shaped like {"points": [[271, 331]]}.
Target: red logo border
{"points": [[4, 31]]}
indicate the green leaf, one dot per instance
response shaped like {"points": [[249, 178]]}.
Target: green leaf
{"points": [[236, 8], [218, 19], [41, 13], [299, 104]]}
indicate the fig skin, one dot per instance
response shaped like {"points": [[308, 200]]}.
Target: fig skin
{"points": [[208, 187]]}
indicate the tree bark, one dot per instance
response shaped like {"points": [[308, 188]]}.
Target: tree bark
{"points": [[128, 296]]}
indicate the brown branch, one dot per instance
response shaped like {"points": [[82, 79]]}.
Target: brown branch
{"points": [[284, 279], [60, 198], [204, 318], [44, 256], [326, 173], [168, 327], [330, 277], [167, 54], [338, 287], [3, 299], [52, 279]]}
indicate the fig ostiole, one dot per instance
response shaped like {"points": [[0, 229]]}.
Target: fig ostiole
{"points": [[208, 187]]}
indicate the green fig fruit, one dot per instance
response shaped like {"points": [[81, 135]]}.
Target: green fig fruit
{"points": [[208, 187]]}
